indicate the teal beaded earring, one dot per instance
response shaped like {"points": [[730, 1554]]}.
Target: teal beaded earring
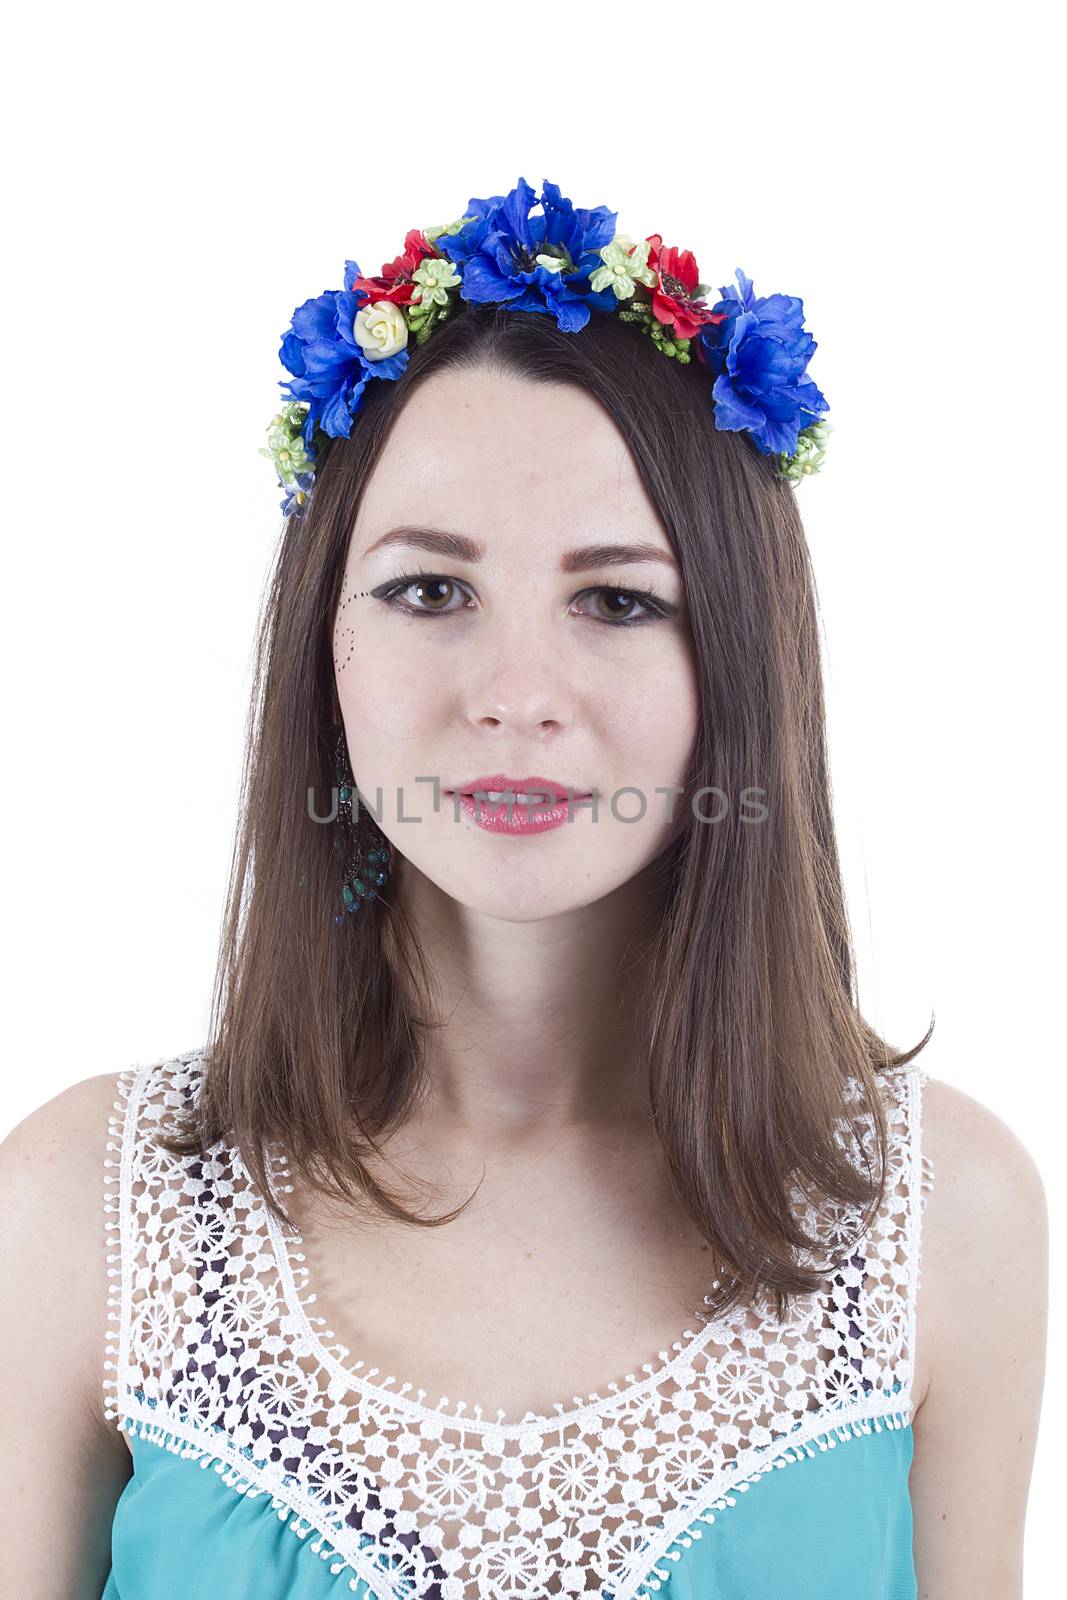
{"points": [[364, 851]]}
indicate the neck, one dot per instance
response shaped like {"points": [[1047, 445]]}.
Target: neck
{"points": [[538, 1038]]}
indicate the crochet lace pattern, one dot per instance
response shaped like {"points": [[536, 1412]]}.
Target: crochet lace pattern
{"points": [[213, 1353]]}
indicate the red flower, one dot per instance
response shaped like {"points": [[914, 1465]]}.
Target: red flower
{"points": [[673, 301], [395, 282]]}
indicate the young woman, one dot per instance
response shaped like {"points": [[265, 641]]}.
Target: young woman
{"points": [[542, 1217]]}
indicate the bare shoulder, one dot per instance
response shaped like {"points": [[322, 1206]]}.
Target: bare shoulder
{"points": [[53, 1238], [56, 1448], [983, 1310], [987, 1207]]}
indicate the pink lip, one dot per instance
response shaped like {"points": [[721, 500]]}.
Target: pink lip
{"points": [[502, 782], [517, 816]]}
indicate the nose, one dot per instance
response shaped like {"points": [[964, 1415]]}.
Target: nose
{"points": [[516, 676]]}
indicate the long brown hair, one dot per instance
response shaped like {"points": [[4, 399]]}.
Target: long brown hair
{"points": [[751, 1029]]}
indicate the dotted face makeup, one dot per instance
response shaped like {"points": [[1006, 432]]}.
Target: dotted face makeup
{"points": [[343, 635]]}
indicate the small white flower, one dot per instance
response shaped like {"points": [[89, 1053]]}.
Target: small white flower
{"points": [[380, 330], [435, 276], [624, 265]]}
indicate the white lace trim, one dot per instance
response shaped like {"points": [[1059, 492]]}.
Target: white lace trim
{"points": [[215, 1356]]}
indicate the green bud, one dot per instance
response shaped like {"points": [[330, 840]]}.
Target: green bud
{"points": [[809, 454], [434, 233], [285, 442]]}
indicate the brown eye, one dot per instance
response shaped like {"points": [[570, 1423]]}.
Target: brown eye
{"points": [[615, 605], [624, 608], [423, 594], [431, 594]]}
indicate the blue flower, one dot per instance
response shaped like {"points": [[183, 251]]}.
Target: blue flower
{"points": [[760, 354], [297, 493], [506, 256], [330, 370]]}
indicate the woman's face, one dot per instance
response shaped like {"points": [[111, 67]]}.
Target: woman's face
{"points": [[514, 648]]}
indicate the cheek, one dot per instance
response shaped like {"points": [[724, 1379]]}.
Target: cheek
{"points": [[652, 714], [384, 693]]}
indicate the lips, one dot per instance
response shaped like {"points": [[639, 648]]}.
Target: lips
{"points": [[503, 783]]}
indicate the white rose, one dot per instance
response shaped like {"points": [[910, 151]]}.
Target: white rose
{"points": [[380, 330]]}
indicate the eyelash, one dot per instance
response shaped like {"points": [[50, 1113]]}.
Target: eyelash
{"points": [[660, 608]]}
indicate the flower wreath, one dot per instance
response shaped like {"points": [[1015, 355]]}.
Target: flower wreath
{"points": [[566, 263]]}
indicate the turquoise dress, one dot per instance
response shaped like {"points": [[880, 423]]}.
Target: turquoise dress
{"points": [[754, 1460]]}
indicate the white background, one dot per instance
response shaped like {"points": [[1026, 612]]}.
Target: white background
{"points": [[178, 180]]}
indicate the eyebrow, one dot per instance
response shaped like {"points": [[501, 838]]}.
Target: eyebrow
{"points": [[458, 547]]}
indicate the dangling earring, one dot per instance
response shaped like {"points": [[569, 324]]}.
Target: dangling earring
{"points": [[365, 854]]}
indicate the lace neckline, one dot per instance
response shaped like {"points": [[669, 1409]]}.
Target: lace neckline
{"points": [[215, 1357], [299, 1294]]}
